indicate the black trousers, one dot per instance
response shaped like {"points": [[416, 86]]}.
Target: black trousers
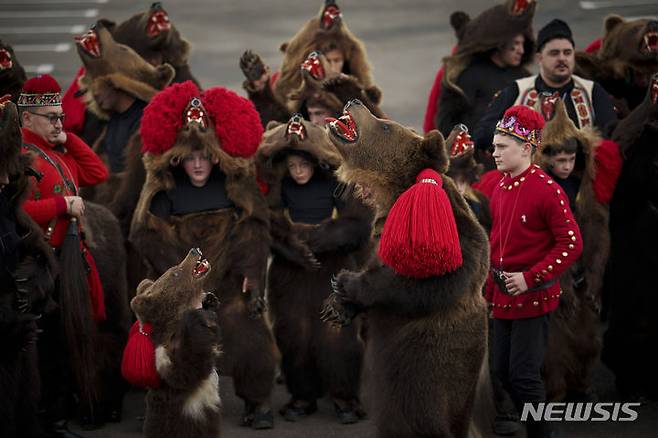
{"points": [[519, 347]]}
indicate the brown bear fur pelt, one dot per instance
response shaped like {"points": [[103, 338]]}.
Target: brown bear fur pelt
{"points": [[624, 63], [236, 242], [316, 358], [25, 288], [630, 340], [327, 89], [316, 36], [427, 338], [186, 341], [12, 74], [479, 38]]}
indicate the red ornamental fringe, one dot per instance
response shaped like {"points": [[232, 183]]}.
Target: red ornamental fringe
{"points": [[420, 236], [138, 363], [608, 168]]}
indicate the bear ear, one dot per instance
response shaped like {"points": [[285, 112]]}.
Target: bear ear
{"points": [[458, 21], [143, 286], [611, 22], [434, 146], [141, 300], [283, 47], [272, 124]]}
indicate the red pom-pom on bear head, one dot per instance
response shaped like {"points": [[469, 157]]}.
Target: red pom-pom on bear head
{"points": [[235, 120]]}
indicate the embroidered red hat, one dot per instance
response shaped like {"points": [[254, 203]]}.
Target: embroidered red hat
{"points": [[523, 123], [42, 90], [234, 119]]}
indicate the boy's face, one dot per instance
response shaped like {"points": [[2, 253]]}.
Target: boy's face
{"points": [[318, 114], [512, 54], [562, 164], [300, 169], [336, 60], [198, 167], [510, 154]]}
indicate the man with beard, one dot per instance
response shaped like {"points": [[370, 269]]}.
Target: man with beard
{"points": [[586, 101]]}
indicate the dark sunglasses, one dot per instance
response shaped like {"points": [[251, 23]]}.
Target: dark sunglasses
{"points": [[52, 118]]}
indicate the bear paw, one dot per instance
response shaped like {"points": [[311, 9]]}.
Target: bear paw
{"points": [[340, 307], [252, 66]]}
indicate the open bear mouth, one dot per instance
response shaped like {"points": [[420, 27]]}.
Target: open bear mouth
{"points": [[90, 43], [520, 6], [295, 127], [343, 127], [201, 268], [651, 42], [330, 14], [5, 60], [654, 88], [158, 21], [313, 65], [196, 115]]}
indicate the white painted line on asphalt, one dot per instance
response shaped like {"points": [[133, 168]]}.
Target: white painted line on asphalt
{"points": [[603, 4], [75, 29], [39, 69], [53, 2], [59, 48], [85, 13]]}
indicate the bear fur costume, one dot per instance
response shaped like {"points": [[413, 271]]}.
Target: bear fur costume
{"points": [[316, 358], [12, 74], [235, 239], [26, 285], [625, 62], [478, 38], [574, 341], [630, 340], [185, 336], [426, 342], [319, 86]]}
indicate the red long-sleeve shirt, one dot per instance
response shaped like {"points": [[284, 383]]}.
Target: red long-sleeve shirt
{"points": [[534, 232], [46, 201]]}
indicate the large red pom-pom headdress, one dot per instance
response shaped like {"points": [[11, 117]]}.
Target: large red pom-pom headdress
{"points": [[233, 118], [420, 236]]}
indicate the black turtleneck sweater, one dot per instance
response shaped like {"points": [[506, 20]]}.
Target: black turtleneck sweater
{"points": [[312, 202], [185, 198], [570, 185], [120, 128]]}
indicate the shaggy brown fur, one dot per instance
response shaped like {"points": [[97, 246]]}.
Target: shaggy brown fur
{"points": [[313, 37], [485, 33], [623, 65], [574, 340], [629, 343], [186, 340], [316, 358], [236, 242], [12, 78], [120, 67], [426, 338], [26, 294]]}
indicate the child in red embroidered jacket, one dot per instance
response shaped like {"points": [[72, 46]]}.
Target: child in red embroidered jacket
{"points": [[534, 239]]}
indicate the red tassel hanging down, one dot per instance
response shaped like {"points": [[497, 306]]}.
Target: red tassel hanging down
{"points": [[138, 363], [420, 236]]}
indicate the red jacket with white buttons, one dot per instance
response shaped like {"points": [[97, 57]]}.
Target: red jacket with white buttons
{"points": [[534, 232]]}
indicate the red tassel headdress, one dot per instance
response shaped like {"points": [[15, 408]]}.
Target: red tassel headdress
{"points": [[420, 236], [138, 362]]}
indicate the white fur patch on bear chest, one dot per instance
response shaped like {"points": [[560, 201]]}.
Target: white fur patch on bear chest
{"points": [[205, 396]]}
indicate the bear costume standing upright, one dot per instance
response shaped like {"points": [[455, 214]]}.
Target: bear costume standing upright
{"points": [[228, 217], [427, 319], [27, 270], [12, 74], [182, 345], [316, 358]]}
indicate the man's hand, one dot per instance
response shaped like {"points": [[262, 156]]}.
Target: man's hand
{"points": [[515, 282], [75, 206], [61, 137]]}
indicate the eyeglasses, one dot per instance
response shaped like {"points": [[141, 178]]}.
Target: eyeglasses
{"points": [[52, 117]]}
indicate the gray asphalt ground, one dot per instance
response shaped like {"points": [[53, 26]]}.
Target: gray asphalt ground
{"points": [[405, 41]]}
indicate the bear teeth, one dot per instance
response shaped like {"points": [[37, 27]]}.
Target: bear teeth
{"points": [[651, 41], [344, 127], [201, 268], [89, 43]]}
